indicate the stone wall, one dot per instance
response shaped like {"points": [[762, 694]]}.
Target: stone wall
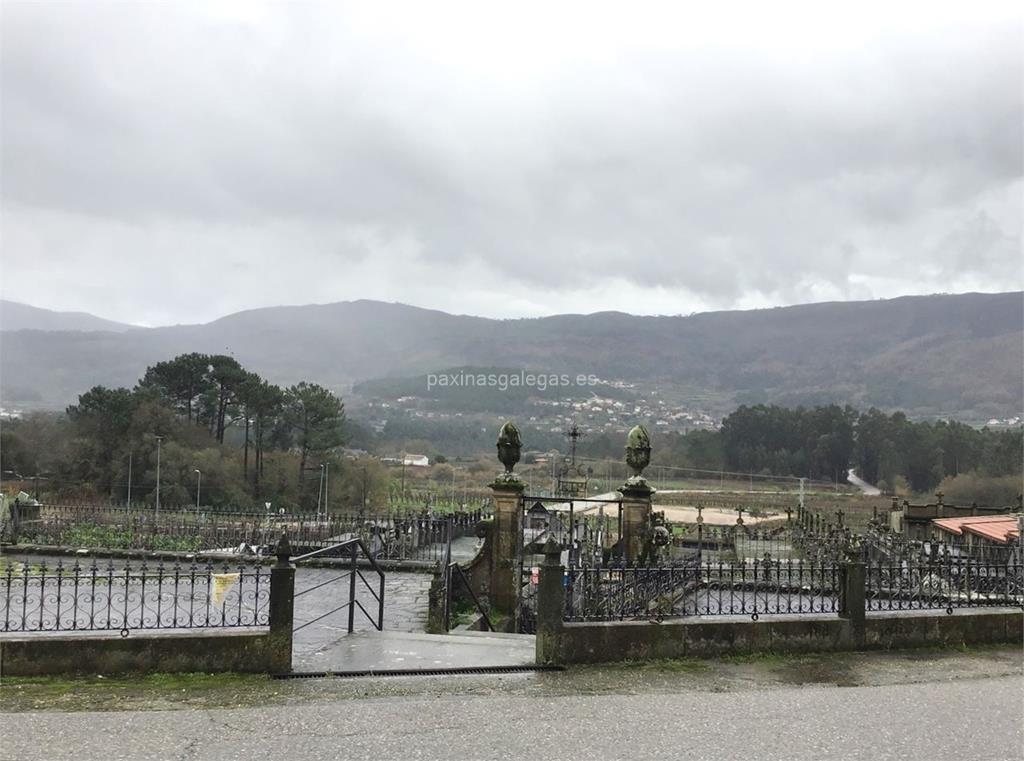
{"points": [[108, 654], [603, 642]]}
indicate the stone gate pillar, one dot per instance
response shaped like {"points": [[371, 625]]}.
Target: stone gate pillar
{"points": [[507, 531], [636, 495]]}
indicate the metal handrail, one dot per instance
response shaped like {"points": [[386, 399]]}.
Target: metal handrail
{"points": [[354, 546], [449, 566], [476, 602]]}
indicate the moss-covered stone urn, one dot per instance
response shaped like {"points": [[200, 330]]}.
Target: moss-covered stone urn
{"points": [[510, 447], [638, 450], [638, 457]]}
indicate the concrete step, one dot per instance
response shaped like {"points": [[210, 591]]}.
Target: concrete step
{"points": [[372, 650]]}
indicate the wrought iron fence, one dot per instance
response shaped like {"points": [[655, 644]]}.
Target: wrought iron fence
{"points": [[127, 596], [949, 583], [751, 588], [420, 500], [887, 546], [406, 537], [739, 542]]}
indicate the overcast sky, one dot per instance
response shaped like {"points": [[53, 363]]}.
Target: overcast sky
{"points": [[174, 163]]}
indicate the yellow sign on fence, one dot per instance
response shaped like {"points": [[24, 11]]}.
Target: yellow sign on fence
{"points": [[222, 582]]}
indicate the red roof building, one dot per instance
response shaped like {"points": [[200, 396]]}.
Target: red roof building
{"points": [[994, 529]]}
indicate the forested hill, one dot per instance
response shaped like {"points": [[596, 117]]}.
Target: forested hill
{"points": [[17, 316], [955, 355]]}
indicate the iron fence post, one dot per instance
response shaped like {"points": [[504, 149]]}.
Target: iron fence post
{"points": [[352, 591]]}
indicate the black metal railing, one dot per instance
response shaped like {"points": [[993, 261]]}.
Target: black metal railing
{"points": [[748, 588], [397, 538], [351, 584], [883, 545], [949, 583], [125, 596]]}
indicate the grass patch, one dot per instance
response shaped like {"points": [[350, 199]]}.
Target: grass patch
{"points": [[115, 538], [191, 681], [160, 691]]}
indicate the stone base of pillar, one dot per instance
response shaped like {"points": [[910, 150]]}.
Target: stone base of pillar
{"points": [[636, 517], [507, 534]]}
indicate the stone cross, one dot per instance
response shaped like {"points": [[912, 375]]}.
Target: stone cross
{"points": [[739, 518]]}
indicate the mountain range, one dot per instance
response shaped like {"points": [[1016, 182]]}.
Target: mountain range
{"points": [[17, 316], [957, 355]]}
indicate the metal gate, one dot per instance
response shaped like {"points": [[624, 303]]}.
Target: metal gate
{"points": [[588, 530], [350, 582]]}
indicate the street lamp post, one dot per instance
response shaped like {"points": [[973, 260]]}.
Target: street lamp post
{"points": [[320, 492], [199, 482], [158, 440], [266, 530], [327, 483]]}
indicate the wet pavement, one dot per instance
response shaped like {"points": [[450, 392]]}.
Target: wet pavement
{"points": [[877, 706]]}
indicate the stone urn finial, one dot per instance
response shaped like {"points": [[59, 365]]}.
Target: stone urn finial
{"points": [[638, 457], [638, 450], [509, 446]]}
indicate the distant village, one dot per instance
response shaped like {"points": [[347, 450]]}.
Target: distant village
{"points": [[597, 412]]}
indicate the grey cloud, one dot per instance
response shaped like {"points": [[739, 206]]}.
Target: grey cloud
{"points": [[300, 140]]}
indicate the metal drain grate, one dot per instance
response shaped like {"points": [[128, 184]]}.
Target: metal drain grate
{"points": [[417, 672]]}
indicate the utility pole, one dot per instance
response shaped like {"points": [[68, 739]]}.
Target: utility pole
{"points": [[802, 494], [129, 480], [199, 482], [159, 439], [327, 483]]}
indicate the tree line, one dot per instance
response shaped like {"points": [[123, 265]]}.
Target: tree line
{"points": [[204, 410], [888, 450]]}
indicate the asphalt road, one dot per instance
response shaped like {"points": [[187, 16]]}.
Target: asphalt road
{"points": [[974, 718]]}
